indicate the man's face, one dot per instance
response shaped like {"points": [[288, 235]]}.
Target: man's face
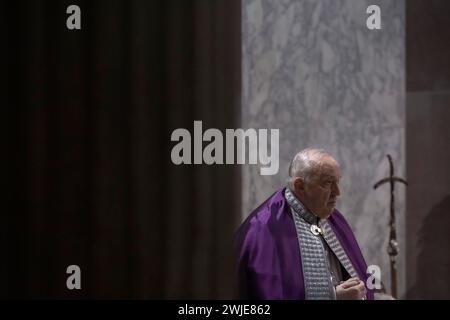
{"points": [[319, 194]]}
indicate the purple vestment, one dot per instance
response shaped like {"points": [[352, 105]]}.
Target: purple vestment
{"points": [[269, 262]]}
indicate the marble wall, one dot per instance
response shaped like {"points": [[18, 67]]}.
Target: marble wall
{"points": [[312, 69]]}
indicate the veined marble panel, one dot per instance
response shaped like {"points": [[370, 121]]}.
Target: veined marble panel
{"points": [[312, 69]]}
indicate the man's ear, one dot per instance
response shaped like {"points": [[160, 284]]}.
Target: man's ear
{"points": [[299, 185]]}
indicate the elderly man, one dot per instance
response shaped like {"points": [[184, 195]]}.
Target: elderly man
{"points": [[296, 245]]}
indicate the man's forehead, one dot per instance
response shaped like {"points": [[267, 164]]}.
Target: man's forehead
{"points": [[337, 175], [328, 173], [330, 169]]}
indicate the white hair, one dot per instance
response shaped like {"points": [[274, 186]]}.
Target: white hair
{"points": [[304, 164]]}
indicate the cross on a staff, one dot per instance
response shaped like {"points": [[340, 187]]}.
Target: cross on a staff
{"points": [[392, 248]]}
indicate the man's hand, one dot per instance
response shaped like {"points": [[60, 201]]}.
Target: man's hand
{"points": [[352, 289]]}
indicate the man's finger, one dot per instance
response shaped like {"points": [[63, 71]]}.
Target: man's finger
{"points": [[350, 283], [362, 289]]}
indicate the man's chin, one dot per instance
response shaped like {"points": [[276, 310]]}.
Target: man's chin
{"points": [[328, 213]]}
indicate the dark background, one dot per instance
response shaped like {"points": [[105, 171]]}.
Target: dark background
{"points": [[88, 118], [428, 149]]}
